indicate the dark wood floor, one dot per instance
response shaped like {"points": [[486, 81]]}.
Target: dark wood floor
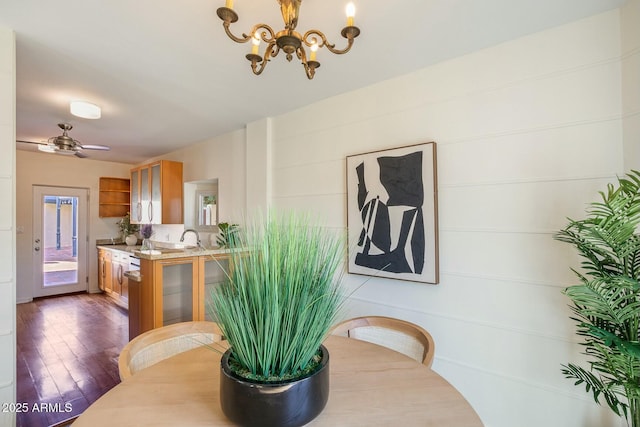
{"points": [[67, 354]]}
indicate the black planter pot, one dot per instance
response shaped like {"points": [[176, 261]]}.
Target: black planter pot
{"points": [[287, 404]]}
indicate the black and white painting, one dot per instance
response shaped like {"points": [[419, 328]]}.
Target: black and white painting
{"points": [[392, 213]]}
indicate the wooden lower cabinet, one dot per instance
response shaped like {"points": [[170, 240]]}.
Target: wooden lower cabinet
{"points": [[112, 264], [120, 288], [173, 290], [104, 270]]}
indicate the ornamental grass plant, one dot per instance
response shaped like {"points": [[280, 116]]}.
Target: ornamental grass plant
{"points": [[281, 297]]}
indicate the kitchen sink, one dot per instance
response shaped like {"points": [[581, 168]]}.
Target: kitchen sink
{"points": [[167, 246], [160, 251]]}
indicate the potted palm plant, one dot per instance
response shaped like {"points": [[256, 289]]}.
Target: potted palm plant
{"points": [[606, 303], [275, 309]]}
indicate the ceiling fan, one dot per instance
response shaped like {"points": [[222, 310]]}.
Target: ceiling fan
{"points": [[64, 144]]}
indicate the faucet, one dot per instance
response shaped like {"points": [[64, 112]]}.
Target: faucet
{"points": [[198, 243]]}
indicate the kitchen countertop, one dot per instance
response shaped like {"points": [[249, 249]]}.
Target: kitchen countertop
{"points": [[163, 252], [118, 247]]}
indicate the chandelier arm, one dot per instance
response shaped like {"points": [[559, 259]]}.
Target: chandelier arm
{"points": [[245, 38], [309, 39], [256, 67], [309, 71], [267, 36], [271, 51], [331, 47], [309, 65], [274, 49]]}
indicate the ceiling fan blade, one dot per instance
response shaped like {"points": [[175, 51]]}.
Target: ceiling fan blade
{"points": [[43, 146], [32, 142], [95, 147]]}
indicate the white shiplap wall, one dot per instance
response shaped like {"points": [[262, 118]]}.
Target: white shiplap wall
{"points": [[7, 225], [630, 31], [527, 132]]}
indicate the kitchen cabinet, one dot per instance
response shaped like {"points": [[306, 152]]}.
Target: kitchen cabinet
{"points": [[114, 198], [168, 292], [157, 193], [120, 284], [178, 281], [104, 270], [112, 266], [213, 271], [174, 290]]}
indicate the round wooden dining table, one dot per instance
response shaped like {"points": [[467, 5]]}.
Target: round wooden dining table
{"points": [[370, 386]]}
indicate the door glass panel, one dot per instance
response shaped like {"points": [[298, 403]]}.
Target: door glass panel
{"points": [[60, 240], [145, 197], [156, 195], [215, 271], [177, 293], [135, 198]]}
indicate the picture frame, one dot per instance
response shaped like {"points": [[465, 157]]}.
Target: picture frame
{"points": [[392, 213]]}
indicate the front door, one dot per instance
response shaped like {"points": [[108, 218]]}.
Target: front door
{"points": [[59, 240]]}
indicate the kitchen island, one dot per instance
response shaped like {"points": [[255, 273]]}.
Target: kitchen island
{"points": [[172, 284]]}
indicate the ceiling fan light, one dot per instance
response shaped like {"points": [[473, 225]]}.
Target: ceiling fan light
{"points": [[46, 148], [84, 109]]}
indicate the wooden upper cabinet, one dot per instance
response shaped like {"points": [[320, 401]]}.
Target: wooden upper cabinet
{"points": [[156, 193], [114, 197]]}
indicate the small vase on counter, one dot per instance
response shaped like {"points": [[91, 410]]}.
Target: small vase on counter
{"points": [[146, 245], [146, 231], [131, 240]]}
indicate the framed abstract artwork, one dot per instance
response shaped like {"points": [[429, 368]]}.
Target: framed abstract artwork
{"points": [[392, 213]]}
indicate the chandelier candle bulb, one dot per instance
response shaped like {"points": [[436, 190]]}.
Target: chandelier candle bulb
{"points": [[229, 4], [314, 49], [351, 12], [255, 41]]}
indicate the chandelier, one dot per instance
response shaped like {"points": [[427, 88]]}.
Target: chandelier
{"points": [[287, 40]]}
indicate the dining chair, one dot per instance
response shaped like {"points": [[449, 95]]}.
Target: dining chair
{"points": [[65, 423], [399, 335], [158, 344]]}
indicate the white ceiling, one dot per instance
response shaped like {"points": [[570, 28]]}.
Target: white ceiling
{"points": [[167, 76]]}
